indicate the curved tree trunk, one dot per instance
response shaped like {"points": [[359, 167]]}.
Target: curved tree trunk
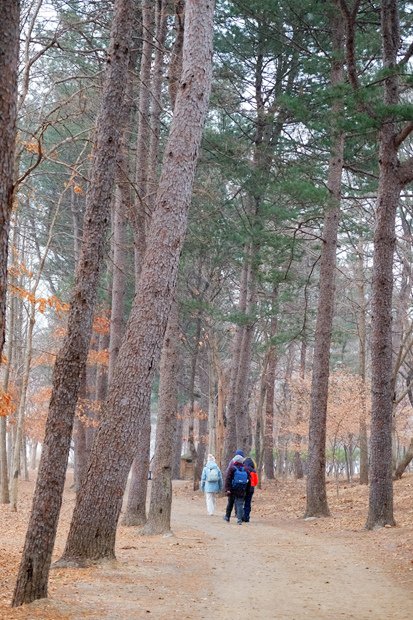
{"points": [[93, 528], [316, 487], [34, 568]]}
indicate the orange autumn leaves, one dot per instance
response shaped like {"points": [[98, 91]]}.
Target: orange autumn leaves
{"points": [[7, 403], [348, 403]]}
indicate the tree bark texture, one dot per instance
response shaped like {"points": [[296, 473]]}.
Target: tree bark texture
{"points": [[93, 528], [270, 392], [230, 440], [175, 63], [191, 390], [161, 22], [9, 60], [10, 354], [381, 475], [119, 223], [140, 212], [203, 419], [316, 487], [405, 461], [135, 513], [243, 422], [177, 447], [362, 332], [159, 516], [79, 439], [34, 568]]}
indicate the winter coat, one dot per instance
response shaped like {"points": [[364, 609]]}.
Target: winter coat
{"points": [[211, 487], [229, 474], [249, 465]]}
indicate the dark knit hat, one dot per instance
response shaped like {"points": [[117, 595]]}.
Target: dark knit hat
{"points": [[240, 452]]}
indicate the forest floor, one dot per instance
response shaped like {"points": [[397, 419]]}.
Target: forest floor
{"points": [[278, 567]]}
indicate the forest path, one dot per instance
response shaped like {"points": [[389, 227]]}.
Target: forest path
{"points": [[213, 570], [267, 571]]}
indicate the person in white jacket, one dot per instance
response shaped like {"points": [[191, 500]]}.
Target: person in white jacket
{"points": [[211, 483]]}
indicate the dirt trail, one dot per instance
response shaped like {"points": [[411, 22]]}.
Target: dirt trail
{"points": [[287, 573], [213, 570]]}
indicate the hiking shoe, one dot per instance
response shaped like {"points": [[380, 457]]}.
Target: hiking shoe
{"points": [[226, 518], [239, 522]]}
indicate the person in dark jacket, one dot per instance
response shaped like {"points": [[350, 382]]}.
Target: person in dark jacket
{"points": [[236, 494], [249, 465]]}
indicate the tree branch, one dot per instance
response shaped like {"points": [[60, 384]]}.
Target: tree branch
{"points": [[404, 133], [406, 171]]}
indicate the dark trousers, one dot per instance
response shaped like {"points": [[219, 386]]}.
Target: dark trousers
{"points": [[239, 507], [247, 504]]}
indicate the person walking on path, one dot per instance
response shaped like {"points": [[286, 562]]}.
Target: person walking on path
{"points": [[236, 481], [237, 453], [249, 465], [211, 483]]}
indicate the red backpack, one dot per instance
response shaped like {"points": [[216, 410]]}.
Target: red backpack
{"points": [[253, 478]]}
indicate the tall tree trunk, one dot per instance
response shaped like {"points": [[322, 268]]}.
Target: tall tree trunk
{"points": [[270, 390], [140, 213], [93, 528], [191, 414], [135, 513], [9, 60], [381, 482], [161, 22], [177, 447], [230, 441], [316, 487], [362, 332], [10, 354], [204, 416], [146, 174], [35, 564], [243, 423], [298, 463], [117, 314], [79, 437], [159, 516]]}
